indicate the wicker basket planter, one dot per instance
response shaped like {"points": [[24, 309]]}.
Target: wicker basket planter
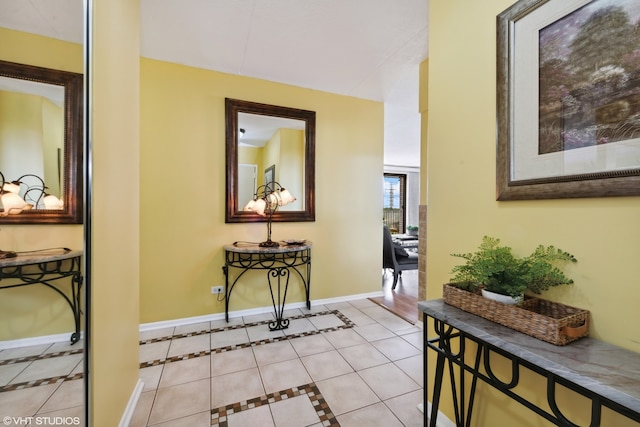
{"points": [[548, 321]]}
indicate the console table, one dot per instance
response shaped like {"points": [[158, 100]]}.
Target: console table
{"points": [[278, 262], [47, 268], [608, 376]]}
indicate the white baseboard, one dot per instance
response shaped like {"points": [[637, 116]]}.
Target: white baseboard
{"points": [[131, 406], [248, 312], [66, 336], [44, 339]]}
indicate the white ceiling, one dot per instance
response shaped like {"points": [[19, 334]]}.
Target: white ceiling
{"points": [[368, 49]]}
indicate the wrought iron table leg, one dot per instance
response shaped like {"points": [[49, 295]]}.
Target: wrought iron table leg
{"points": [[227, 292], [278, 307], [307, 285], [76, 287], [437, 387]]}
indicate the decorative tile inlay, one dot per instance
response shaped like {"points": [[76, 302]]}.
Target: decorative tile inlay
{"points": [[40, 357], [219, 416], [345, 320], [44, 381], [41, 381]]}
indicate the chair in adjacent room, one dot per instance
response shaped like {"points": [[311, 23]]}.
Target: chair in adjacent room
{"points": [[396, 258]]}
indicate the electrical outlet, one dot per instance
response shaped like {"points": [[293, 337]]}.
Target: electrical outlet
{"points": [[217, 289]]}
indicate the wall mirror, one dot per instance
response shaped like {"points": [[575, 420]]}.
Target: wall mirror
{"points": [[41, 118], [267, 143]]}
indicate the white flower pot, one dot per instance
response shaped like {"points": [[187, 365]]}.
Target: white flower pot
{"points": [[506, 299]]}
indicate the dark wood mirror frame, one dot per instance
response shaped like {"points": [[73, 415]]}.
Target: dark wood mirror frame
{"points": [[234, 213], [73, 141]]}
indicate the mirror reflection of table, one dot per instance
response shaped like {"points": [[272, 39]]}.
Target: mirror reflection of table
{"points": [[279, 262], [48, 268]]}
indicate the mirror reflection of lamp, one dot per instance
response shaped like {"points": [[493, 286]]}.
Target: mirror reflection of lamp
{"points": [[13, 203], [265, 202], [6, 197], [52, 202]]}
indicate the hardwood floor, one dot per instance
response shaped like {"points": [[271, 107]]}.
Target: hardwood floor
{"points": [[403, 301]]}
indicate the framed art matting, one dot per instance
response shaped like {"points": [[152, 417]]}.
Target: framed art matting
{"points": [[568, 99]]}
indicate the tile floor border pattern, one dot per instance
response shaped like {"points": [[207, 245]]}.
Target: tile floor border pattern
{"points": [[245, 325], [41, 382], [6, 362], [219, 416], [347, 325], [52, 380]]}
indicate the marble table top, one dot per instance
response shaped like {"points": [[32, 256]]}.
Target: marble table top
{"points": [[36, 257], [608, 370], [253, 248]]}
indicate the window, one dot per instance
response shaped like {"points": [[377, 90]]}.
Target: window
{"points": [[394, 202]]}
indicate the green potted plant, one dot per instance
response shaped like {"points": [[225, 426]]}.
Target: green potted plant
{"points": [[494, 269], [412, 230]]}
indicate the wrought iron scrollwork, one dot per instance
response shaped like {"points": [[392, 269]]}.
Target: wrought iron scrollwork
{"points": [[49, 274], [445, 342], [279, 266]]}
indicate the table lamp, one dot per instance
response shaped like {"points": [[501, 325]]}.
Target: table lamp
{"points": [[266, 200]]}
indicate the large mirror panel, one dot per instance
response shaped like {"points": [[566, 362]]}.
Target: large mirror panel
{"points": [[266, 143], [42, 110], [41, 118]]}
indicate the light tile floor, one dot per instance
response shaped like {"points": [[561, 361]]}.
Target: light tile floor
{"points": [[42, 384], [350, 364]]}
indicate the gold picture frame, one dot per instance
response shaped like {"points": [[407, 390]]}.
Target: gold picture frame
{"points": [[560, 124]]}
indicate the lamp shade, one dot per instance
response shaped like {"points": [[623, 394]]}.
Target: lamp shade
{"points": [[52, 202], [266, 200], [260, 206], [13, 204], [273, 199], [286, 197], [12, 187]]}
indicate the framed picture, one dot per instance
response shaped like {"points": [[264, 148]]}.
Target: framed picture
{"points": [[270, 174], [568, 99]]}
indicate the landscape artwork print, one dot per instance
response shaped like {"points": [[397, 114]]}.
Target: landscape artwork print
{"points": [[589, 77]]}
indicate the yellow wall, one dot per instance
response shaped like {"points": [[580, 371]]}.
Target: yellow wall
{"points": [[291, 172], [183, 191], [271, 156], [115, 219], [285, 150], [603, 233], [53, 128], [32, 128], [40, 311], [250, 155]]}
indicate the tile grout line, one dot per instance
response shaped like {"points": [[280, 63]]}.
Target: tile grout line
{"points": [[220, 416], [61, 378], [347, 325], [6, 362], [246, 325]]}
